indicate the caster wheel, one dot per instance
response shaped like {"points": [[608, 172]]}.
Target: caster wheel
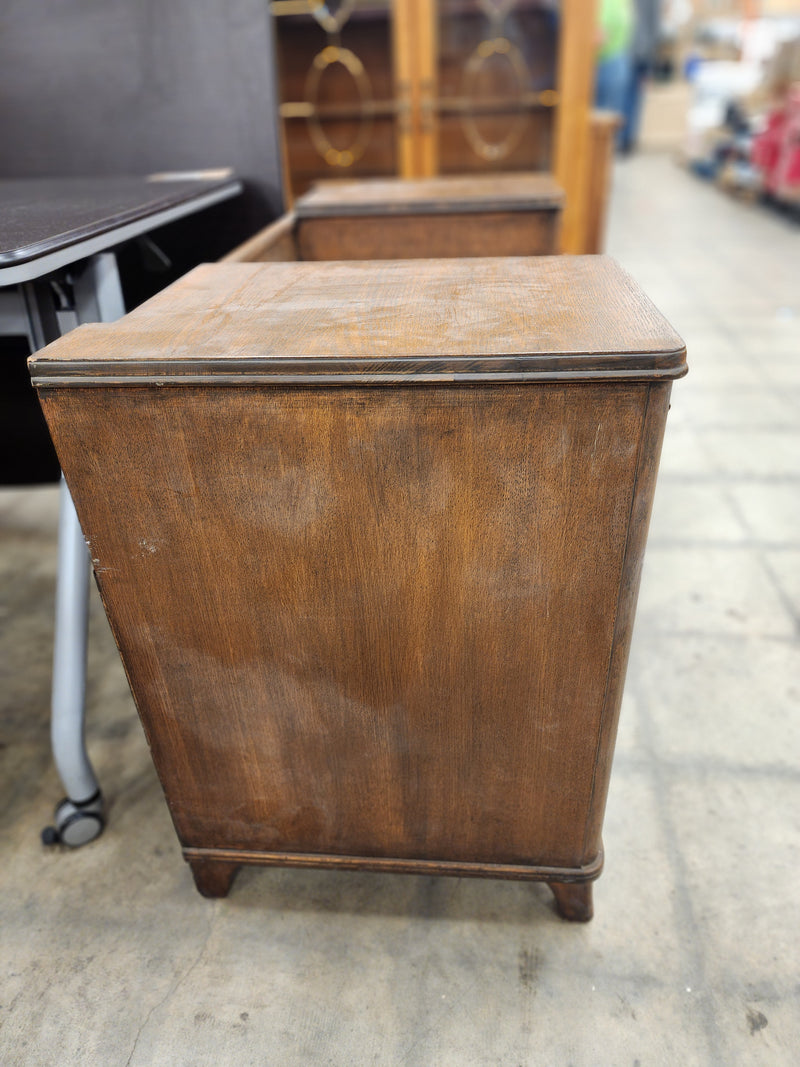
{"points": [[76, 823]]}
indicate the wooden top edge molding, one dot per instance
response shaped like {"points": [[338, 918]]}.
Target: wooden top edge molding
{"points": [[561, 316], [423, 207], [276, 371], [379, 196]]}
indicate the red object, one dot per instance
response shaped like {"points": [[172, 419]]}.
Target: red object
{"points": [[776, 152]]}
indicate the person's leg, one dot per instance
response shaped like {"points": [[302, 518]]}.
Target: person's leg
{"points": [[629, 134], [611, 85]]}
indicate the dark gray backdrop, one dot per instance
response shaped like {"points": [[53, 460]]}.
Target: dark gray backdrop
{"points": [[134, 86], [101, 87]]}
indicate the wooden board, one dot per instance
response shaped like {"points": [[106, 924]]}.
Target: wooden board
{"points": [[372, 623], [461, 195], [500, 233], [549, 318]]}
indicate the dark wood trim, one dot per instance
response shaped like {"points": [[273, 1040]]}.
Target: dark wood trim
{"points": [[517, 872], [431, 207], [349, 371], [275, 242]]}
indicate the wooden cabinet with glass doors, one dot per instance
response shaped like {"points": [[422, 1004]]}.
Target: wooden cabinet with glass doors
{"points": [[414, 88]]}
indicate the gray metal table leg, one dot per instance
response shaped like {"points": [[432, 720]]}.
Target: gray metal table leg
{"points": [[98, 293], [79, 817]]}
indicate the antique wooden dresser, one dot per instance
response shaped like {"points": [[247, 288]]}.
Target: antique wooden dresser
{"points": [[480, 215], [369, 537]]}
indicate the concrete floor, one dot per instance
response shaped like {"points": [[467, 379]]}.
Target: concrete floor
{"points": [[110, 957]]}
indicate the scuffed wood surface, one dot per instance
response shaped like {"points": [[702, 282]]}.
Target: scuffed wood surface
{"points": [[473, 193], [383, 622], [429, 236], [479, 317], [366, 622]]}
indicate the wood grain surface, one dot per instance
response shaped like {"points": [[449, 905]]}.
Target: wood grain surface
{"points": [[369, 537], [577, 317], [501, 215], [425, 236], [460, 194], [602, 140], [366, 622]]}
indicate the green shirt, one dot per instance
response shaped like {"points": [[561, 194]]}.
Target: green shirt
{"points": [[616, 27]]}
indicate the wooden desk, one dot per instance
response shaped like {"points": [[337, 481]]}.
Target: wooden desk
{"points": [[425, 218], [369, 537]]}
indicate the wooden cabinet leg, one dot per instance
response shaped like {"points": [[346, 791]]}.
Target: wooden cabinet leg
{"points": [[573, 900], [213, 878]]}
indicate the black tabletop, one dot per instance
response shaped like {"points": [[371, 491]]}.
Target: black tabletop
{"points": [[43, 215]]}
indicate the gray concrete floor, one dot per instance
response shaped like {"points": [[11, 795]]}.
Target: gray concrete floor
{"points": [[110, 957]]}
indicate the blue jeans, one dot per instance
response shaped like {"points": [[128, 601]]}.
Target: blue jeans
{"points": [[633, 104], [612, 82]]}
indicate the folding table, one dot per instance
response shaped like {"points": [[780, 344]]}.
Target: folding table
{"points": [[57, 239]]}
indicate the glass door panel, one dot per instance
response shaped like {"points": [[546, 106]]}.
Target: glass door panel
{"points": [[495, 84], [420, 87], [337, 89]]}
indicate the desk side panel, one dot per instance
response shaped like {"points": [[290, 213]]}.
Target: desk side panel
{"points": [[426, 236], [276, 243], [369, 621]]}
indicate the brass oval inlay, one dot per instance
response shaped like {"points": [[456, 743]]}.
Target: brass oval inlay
{"points": [[339, 157], [498, 46]]}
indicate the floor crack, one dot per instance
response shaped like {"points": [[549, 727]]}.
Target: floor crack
{"points": [[177, 983]]}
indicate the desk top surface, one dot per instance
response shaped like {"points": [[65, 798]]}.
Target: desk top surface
{"points": [[431, 196], [546, 317], [41, 216]]}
